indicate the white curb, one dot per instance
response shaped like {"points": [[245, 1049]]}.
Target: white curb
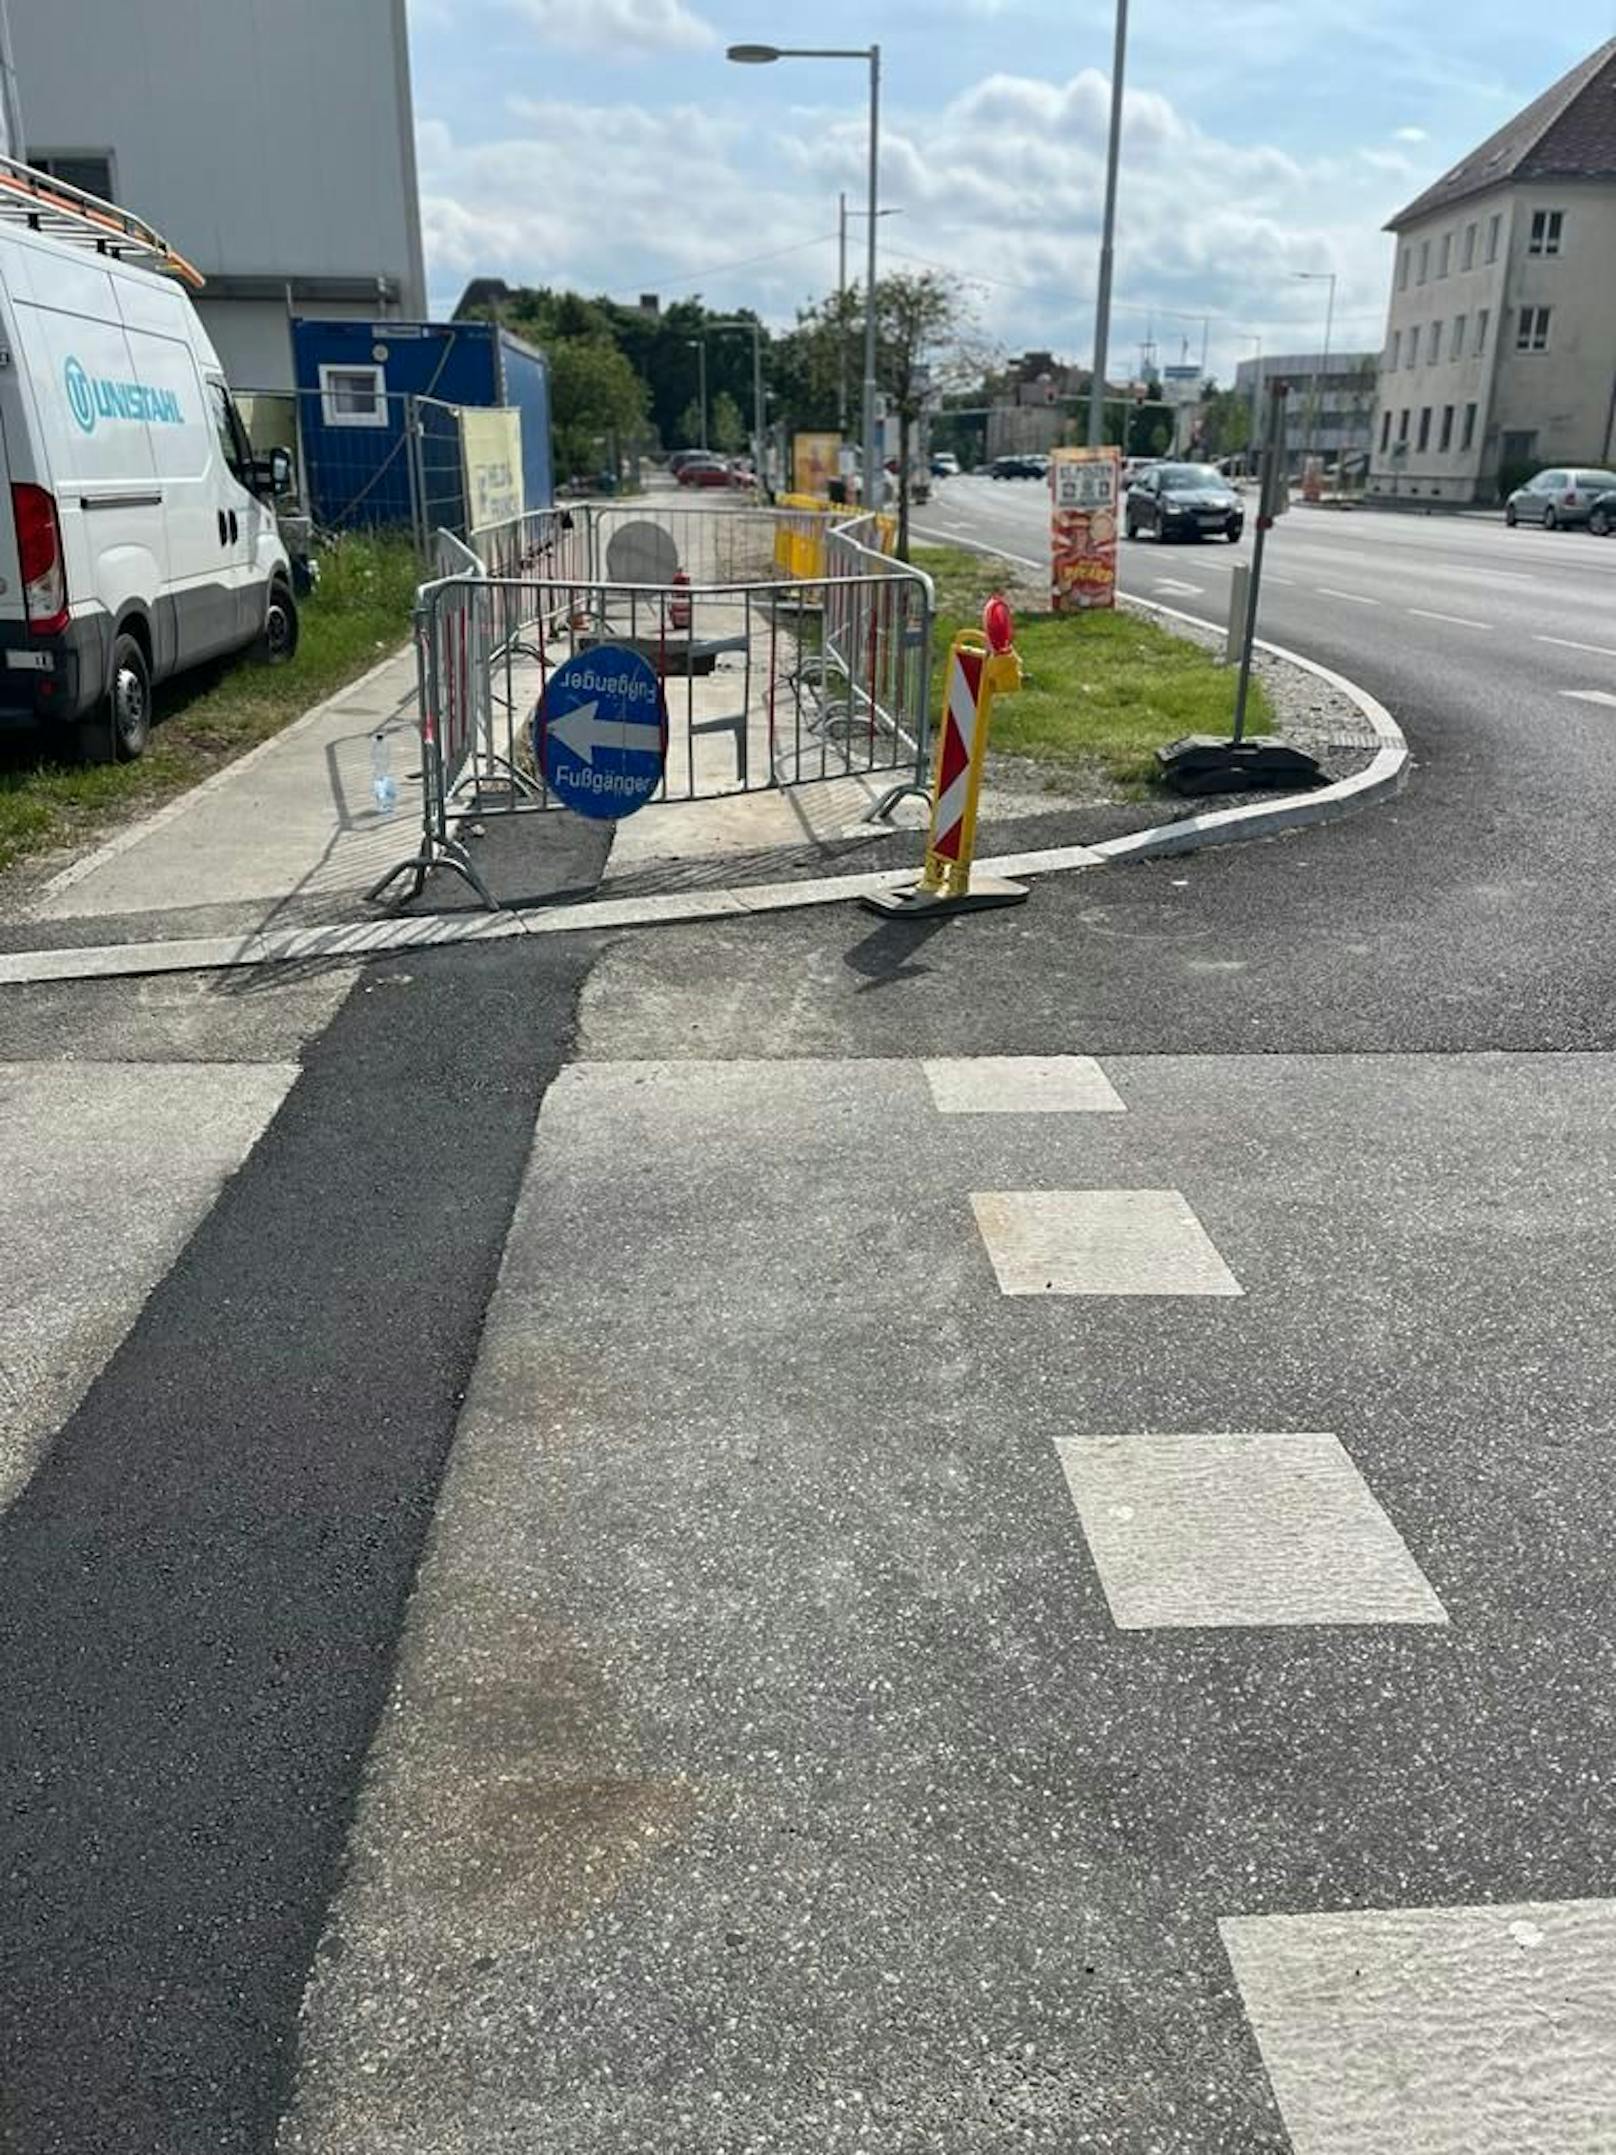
{"points": [[351, 941]]}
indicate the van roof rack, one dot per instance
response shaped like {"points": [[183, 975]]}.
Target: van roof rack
{"points": [[46, 204]]}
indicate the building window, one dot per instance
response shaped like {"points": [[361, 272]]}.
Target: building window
{"points": [[1456, 341], [1482, 320], [1467, 259], [1425, 260], [1402, 427], [1495, 226], [1444, 254], [353, 396], [1546, 229], [1433, 344], [89, 169], [1414, 346], [1396, 351], [1532, 331], [1385, 431], [1467, 437], [1402, 271], [1446, 442], [1425, 429]]}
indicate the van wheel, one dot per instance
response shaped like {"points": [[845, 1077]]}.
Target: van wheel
{"points": [[278, 643], [118, 730]]}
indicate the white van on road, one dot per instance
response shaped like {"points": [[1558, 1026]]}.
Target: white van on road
{"points": [[142, 536]]}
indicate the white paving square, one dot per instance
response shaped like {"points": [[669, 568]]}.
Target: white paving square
{"points": [[1437, 2031], [1020, 1085], [1099, 1242], [1225, 1530]]}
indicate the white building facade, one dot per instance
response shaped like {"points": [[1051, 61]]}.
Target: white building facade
{"points": [[1500, 353], [270, 141]]}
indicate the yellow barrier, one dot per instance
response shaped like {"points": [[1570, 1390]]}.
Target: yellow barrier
{"points": [[802, 521]]}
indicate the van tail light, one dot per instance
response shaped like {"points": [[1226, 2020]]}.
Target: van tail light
{"points": [[39, 555]]}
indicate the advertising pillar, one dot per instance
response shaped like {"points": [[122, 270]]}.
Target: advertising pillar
{"points": [[1084, 486]]}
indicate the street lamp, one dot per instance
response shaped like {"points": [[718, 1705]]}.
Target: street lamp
{"points": [[1102, 304], [842, 215], [765, 55], [1319, 276], [699, 346]]}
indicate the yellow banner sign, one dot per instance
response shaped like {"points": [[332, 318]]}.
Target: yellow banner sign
{"points": [[491, 460], [814, 463]]}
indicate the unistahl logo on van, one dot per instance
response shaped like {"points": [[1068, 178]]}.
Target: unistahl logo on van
{"points": [[92, 397]]}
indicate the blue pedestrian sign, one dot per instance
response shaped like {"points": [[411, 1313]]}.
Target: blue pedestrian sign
{"points": [[600, 732]]}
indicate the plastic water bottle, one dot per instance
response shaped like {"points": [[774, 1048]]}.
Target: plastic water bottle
{"points": [[382, 782]]}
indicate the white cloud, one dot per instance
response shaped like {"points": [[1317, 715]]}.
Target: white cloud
{"points": [[1005, 185], [1410, 134], [631, 28]]}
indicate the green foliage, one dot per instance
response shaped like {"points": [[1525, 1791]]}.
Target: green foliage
{"points": [[360, 613], [1225, 423], [1102, 691], [726, 427], [594, 394]]}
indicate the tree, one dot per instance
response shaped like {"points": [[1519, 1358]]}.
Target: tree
{"points": [[594, 392], [728, 427], [1225, 421], [689, 429]]}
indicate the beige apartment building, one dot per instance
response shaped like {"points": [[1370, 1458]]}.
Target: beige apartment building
{"points": [[1500, 351]]}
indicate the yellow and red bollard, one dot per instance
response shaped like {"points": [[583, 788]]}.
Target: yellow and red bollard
{"points": [[982, 664]]}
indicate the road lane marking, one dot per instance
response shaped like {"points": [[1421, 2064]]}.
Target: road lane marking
{"points": [[1458, 621], [1240, 1530], [1099, 1242], [1590, 695], [1460, 2027], [1188, 591], [1353, 598], [1020, 1085], [1566, 643]]}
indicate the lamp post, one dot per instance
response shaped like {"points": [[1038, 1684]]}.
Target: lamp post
{"points": [[843, 213], [738, 321], [1319, 276], [699, 346], [1102, 304], [763, 56]]}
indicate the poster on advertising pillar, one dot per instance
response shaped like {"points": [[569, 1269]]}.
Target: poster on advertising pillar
{"points": [[1084, 485]]}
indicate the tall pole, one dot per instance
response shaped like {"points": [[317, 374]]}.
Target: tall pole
{"points": [[701, 349], [1102, 305], [757, 401], [841, 314], [1329, 324], [871, 488]]}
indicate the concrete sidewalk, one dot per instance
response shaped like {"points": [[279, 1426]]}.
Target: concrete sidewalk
{"points": [[290, 830]]}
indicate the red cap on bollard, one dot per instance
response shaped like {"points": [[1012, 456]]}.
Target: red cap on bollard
{"points": [[998, 624]]}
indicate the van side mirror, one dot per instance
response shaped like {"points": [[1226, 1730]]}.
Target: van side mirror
{"points": [[280, 470]]}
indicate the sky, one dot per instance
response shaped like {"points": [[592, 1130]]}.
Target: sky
{"points": [[608, 146]]}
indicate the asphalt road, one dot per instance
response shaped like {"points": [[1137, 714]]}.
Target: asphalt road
{"points": [[771, 1753]]}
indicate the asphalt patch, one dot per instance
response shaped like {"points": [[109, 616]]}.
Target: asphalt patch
{"points": [[202, 1585]]}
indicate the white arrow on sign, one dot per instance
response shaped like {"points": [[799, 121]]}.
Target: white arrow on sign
{"points": [[582, 732]]}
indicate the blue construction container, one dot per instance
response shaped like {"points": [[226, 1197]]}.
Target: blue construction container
{"points": [[355, 381]]}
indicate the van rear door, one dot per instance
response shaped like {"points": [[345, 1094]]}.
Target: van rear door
{"points": [[90, 413]]}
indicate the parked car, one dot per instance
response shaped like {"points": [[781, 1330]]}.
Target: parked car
{"points": [[945, 464], [1184, 501], [1016, 467], [1602, 515], [712, 471], [681, 457], [142, 537], [1559, 499]]}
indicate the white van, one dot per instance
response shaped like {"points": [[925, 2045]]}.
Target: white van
{"points": [[141, 535]]}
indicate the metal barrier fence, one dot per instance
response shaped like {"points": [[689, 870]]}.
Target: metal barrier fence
{"points": [[768, 681]]}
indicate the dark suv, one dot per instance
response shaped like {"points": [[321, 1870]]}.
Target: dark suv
{"points": [[1184, 501]]}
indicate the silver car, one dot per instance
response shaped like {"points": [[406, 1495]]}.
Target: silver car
{"points": [[1560, 498]]}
